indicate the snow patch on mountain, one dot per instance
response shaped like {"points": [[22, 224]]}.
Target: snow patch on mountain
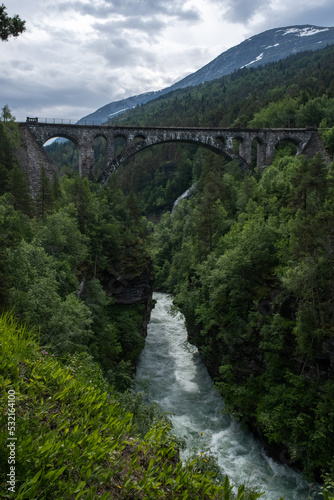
{"points": [[118, 112], [255, 60], [309, 31], [269, 46]]}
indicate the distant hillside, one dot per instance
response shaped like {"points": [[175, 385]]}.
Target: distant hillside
{"points": [[269, 46], [295, 92], [233, 100]]}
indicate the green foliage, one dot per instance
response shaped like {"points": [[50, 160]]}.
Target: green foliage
{"points": [[8, 140], [277, 114], [328, 488], [13, 227], [251, 269], [56, 267], [61, 237], [297, 91], [44, 198], [10, 26], [18, 187], [249, 259], [65, 154], [75, 438], [144, 414], [327, 136]]}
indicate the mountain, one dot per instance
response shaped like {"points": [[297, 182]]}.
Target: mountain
{"points": [[269, 46]]}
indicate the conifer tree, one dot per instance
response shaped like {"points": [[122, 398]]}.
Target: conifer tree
{"points": [[56, 191], [6, 158], [17, 185], [10, 26], [44, 195]]}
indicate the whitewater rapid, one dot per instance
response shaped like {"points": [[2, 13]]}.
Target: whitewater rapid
{"points": [[180, 384]]}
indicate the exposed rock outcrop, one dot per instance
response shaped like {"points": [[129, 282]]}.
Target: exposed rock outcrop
{"points": [[31, 158]]}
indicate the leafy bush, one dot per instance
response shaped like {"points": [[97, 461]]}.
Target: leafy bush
{"points": [[73, 437]]}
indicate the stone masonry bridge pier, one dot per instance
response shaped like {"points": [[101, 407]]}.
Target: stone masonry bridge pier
{"points": [[222, 141]]}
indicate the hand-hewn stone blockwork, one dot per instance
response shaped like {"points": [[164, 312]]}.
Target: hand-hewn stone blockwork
{"points": [[32, 157], [222, 141]]}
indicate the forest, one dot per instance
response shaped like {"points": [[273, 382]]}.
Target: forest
{"points": [[68, 348], [56, 251], [248, 258]]}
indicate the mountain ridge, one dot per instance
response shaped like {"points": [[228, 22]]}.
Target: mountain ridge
{"points": [[269, 46]]}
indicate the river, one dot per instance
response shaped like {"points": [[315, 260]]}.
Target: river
{"points": [[180, 384]]}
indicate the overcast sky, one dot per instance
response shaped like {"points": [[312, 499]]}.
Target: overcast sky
{"points": [[78, 55]]}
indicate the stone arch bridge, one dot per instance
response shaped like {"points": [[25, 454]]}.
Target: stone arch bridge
{"points": [[220, 140]]}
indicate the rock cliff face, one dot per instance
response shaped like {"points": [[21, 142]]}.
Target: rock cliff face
{"points": [[127, 290], [31, 158], [321, 366], [132, 284]]}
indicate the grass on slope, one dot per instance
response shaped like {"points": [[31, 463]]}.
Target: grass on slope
{"points": [[72, 440]]}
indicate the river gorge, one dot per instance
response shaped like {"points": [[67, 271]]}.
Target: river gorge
{"points": [[180, 384]]}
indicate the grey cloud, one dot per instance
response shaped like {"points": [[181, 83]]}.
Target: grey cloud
{"points": [[241, 11], [298, 13], [125, 51], [21, 65], [119, 52], [37, 94], [37, 98], [149, 26], [319, 16], [133, 8]]}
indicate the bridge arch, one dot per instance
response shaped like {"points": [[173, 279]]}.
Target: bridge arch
{"points": [[100, 134], [287, 147], [284, 138], [68, 137], [291, 140], [256, 151], [120, 135], [217, 146], [237, 143], [221, 140], [138, 138]]}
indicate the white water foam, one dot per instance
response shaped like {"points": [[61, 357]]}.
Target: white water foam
{"points": [[180, 383]]}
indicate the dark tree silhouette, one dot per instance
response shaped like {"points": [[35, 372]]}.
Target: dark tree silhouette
{"points": [[10, 26]]}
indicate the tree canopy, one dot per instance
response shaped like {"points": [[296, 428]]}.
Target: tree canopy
{"points": [[10, 26]]}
